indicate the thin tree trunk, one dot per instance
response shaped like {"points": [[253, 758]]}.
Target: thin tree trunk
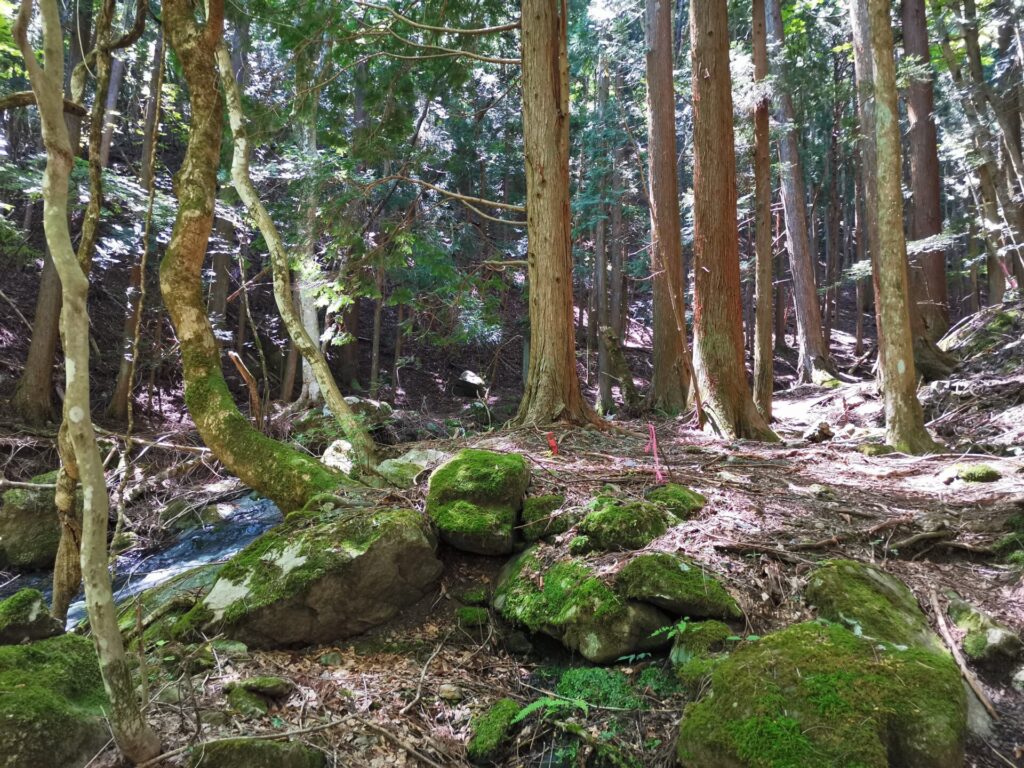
{"points": [[138, 742], [32, 401], [671, 378], [378, 315], [764, 361], [814, 364], [904, 419], [717, 315], [617, 240], [116, 76], [604, 376], [552, 391], [285, 475]]}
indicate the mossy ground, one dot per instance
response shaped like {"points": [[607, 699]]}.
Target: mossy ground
{"points": [[816, 694], [622, 525], [599, 686], [490, 729], [472, 617], [977, 473]]}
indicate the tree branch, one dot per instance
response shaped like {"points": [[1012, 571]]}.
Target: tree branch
{"points": [[28, 99], [452, 51], [443, 30], [447, 193]]}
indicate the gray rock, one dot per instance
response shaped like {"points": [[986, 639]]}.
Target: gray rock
{"points": [[323, 575], [372, 413], [986, 641], [469, 384], [29, 531], [402, 471], [24, 617]]}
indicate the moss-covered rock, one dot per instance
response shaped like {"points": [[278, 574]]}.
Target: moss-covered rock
{"points": [[254, 753], [985, 641], [977, 473], [472, 617], [870, 602], [267, 686], [474, 596], [490, 730], [164, 604], [475, 498], [403, 470], [246, 703], [615, 525], [566, 600], [677, 500], [51, 703], [325, 574], [875, 449], [817, 695], [700, 638], [24, 617], [542, 517], [29, 531], [678, 585], [694, 673]]}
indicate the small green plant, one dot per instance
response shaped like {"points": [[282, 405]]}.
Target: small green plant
{"points": [[549, 706], [672, 631]]}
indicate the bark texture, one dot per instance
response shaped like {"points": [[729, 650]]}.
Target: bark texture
{"points": [[814, 364], [671, 378], [764, 360], [552, 391], [132, 734], [717, 316], [288, 477]]}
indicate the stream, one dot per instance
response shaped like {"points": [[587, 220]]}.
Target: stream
{"points": [[242, 520]]}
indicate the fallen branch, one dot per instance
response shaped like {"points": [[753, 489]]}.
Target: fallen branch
{"points": [[954, 648], [838, 538], [399, 742]]}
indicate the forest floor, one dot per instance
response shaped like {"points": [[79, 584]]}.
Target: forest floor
{"points": [[404, 694]]}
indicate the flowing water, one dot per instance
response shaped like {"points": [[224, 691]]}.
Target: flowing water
{"points": [[241, 522]]}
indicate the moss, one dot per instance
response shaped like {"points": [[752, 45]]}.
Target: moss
{"points": [[870, 602], [247, 703], [658, 681], [816, 694], [875, 449], [977, 473], [189, 626], [701, 638], [51, 687], [21, 608], [695, 672], [490, 729], [472, 617], [599, 686], [580, 545], [538, 520], [565, 592], [615, 525], [29, 530], [475, 498], [268, 686], [676, 584], [474, 596], [254, 753], [677, 499]]}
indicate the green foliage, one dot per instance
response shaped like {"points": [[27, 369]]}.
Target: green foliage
{"points": [[491, 728], [550, 707], [599, 686]]}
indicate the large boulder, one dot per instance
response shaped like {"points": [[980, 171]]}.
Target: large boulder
{"points": [[566, 600], [817, 694], [870, 602], [474, 500], [51, 704], [24, 617], [29, 531], [678, 585], [254, 753], [325, 574]]}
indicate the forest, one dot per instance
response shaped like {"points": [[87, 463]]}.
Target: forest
{"points": [[563, 383]]}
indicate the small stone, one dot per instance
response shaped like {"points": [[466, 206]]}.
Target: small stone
{"points": [[450, 693], [469, 384], [818, 433], [267, 686], [331, 659], [339, 456], [1017, 681]]}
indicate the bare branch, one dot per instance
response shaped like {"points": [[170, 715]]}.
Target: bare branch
{"points": [[28, 99], [443, 30], [453, 51], [447, 193]]}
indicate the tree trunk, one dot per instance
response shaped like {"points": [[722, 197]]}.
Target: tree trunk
{"points": [[116, 76], [32, 401], [285, 475], [138, 742], [671, 378], [764, 361], [904, 420], [119, 402], [925, 183], [717, 315], [814, 364], [617, 240], [362, 443], [552, 391], [604, 374]]}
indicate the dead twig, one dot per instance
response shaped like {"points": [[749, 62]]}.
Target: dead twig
{"points": [[954, 648]]}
